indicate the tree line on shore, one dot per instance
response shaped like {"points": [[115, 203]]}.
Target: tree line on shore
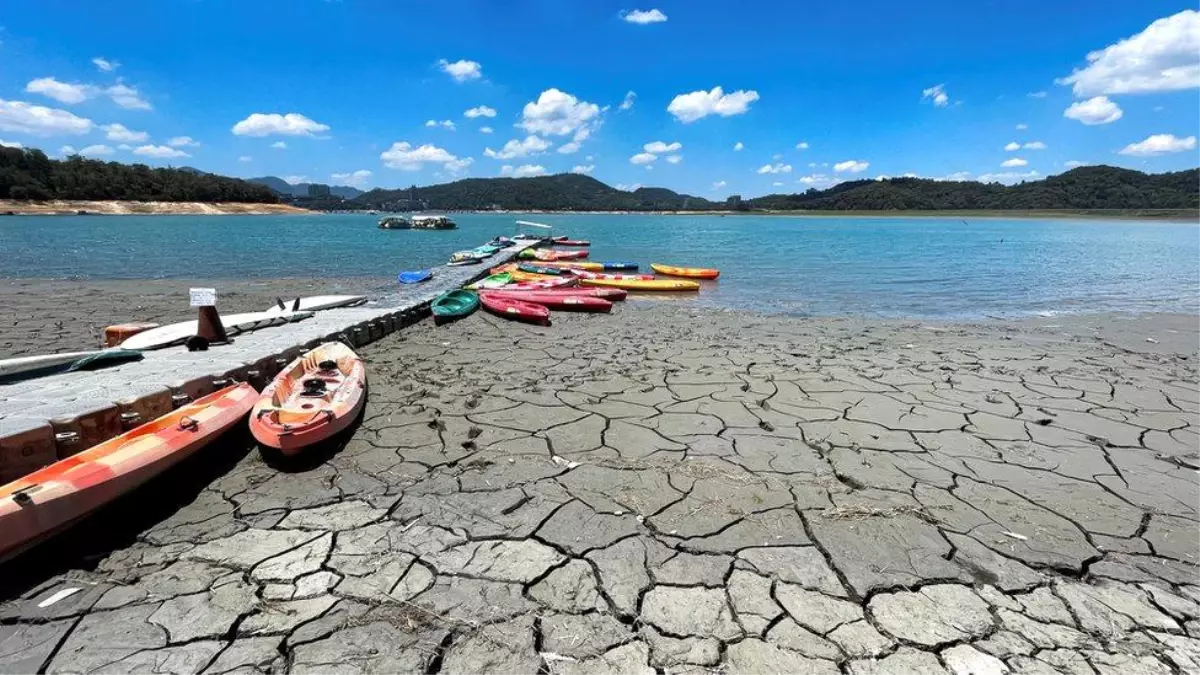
{"points": [[28, 174]]}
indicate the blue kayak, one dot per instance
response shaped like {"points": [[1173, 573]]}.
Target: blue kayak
{"points": [[415, 277], [620, 266]]}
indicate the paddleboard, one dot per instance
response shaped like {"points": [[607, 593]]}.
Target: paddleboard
{"points": [[44, 364], [176, 333], [316, 303]]}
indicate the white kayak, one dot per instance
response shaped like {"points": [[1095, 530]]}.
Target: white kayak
{"points": [[317, 303], [176, 333], [28, 366]]}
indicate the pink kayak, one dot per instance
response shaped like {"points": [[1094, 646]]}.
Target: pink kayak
{"points": [[612, 294], [544, 284], [513, 308], [584, 274], [560, 301]]}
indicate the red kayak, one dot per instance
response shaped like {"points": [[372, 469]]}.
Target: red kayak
{"points": [[517, 310], [610, 294], [572, 242], [561, 301]]}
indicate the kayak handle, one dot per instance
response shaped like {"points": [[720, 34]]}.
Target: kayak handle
{"points": [[187, 423]]}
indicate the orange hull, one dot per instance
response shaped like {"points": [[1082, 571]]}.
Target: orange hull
{"points": [[687, 272], [293, 414], [51, 498]]}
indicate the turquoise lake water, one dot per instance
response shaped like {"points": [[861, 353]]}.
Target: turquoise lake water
{"points": [[918, 267]]}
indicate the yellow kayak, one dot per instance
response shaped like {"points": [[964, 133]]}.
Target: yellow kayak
{"points": [[573, 264], [644, 284], [518, 275], [690, 272]]}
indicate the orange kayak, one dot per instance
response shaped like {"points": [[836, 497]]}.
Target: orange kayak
{"points": [[518, 275], [313, 398], [47, 500], [689, 272]]}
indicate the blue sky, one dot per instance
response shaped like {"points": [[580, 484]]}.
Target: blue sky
{"points": [[345, 91]]}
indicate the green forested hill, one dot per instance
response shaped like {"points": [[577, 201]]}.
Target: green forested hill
{"points": [[29, 174]]}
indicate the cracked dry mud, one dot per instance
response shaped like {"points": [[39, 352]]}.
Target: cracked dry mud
{"points": [[679, 491]]}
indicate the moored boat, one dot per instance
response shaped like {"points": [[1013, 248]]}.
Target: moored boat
{"points": [[312, 400], [49, 499], [687, 272], [644, 284]]}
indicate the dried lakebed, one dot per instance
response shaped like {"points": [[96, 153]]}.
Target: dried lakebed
{"points": [[674, 491]]}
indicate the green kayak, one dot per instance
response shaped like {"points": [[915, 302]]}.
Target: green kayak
{"points": [[494, 281], [454, 305]]}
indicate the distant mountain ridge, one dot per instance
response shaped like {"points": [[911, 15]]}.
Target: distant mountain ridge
{"points": [[283, 187]]}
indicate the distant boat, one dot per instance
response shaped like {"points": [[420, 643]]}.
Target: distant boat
{"points": [[416, 223]]}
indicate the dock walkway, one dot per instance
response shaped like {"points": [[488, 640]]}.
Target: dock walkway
{"points": [[48, 418]]}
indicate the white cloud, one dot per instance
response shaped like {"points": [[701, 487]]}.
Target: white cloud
{"points": [[674, 159], [777, 156], [67, 150], [1013, 146], [124, 146], [776, 184], [956, 176], [557, 113], [1034, 145], [532, 145], [718, 185], [643, 158], [60, 91], [1022, 127], [1163, 57], [290, 124], [628, 188], [851, 165], [485, 130], [445, 124], [697, 105], [118, 132], [462, 70], [293, 180], [802, 145], [1072, 163], [630, 99], [1159, 144], [96, 150], [9, 144], [1036, 94], [1014, 162], [775, 168], [354, 178], [456, 165], [1008, 177], [405, 157], [1097, 110], [583, 168], [568, 148], [279, 145], [245, 158], [523, 171], [159, 152], [127, 97], [480, 111], [105, 65], [937, 94], [737, 147], [182, 142], [818, 180], [643, 17], [21, 117], [660, 148]]}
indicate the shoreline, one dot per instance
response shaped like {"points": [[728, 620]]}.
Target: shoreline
{"points": [[130, 208]]}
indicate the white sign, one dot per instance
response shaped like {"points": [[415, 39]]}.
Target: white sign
{"points": [[203, 297]]}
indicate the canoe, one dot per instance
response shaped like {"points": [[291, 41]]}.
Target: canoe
{"points": [[311, 400], [510, 308], [49, 499], [23, 367], [539, 269], [463, 261], [572, 242], [453, 305], [315, 303], [583, 274], [560, 301], [518, 275], [689, 272], [644, 284], [612, 266], [574, 265], [415, 277], [610, 294], [552, 282], [493, 281], [485, 251], [176, 333]]}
